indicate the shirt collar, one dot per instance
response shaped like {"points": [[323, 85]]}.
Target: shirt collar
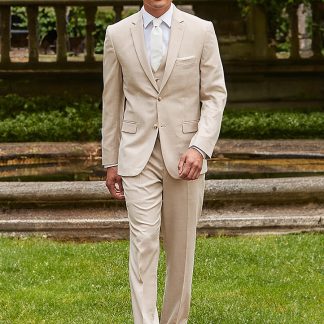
{"points": [[166, 17]]}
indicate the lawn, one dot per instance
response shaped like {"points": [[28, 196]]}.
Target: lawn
{"points": [[247, 279]]}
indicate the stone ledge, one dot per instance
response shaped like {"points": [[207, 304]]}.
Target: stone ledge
{"points": [[239, 159], [204, 223], [226, 147], [96, 229], [265, 191]]}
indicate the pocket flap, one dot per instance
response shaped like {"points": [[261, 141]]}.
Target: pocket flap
{"points": [[129, 127], [190, 127]]}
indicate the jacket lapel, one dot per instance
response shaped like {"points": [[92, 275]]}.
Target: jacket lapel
{"points": [[177, 29], [138, 39]]}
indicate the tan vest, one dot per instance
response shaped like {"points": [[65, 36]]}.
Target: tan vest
{"points": [[158, 75]]}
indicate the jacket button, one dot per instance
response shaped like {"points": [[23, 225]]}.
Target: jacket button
{"points": [[159, 98], [155, 126]]}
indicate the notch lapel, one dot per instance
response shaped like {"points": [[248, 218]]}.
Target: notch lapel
{"points": [[138, 40], [177, 29]]}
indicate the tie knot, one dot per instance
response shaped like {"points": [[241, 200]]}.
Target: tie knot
{"points": [[157, 22]]}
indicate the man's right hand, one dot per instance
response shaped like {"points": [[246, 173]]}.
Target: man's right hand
{"points": [[114, 183]]}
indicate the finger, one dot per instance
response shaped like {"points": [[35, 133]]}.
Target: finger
{"points": [[112, 189], [181, 163], [196, 174], [185, 170], [192, 172], [120, 188]]}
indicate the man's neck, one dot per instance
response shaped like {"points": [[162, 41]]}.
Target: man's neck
{"points": [[157, 12]]}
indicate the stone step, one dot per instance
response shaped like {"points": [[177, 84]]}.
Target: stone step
{"points": [[119, 228], [257, 191], [85, 210]]}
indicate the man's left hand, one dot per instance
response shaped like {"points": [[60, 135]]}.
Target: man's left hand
{"points": [[190, 164]]}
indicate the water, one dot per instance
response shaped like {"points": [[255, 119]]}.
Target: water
{"points": [[31, 169]]}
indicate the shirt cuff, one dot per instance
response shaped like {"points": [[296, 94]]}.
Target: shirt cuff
{"points": [[204, 155], [109, 165]]}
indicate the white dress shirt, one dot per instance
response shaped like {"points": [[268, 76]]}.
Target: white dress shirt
{"points": [[166, 31], [165, 26]]}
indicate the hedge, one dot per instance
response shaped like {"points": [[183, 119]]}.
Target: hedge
{"points": [[68, 119]]}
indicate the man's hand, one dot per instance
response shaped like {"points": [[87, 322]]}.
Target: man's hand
{"points": [[114, 183], [190, 164]]}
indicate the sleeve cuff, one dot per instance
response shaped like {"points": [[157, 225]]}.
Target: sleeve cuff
{"points": [[204, 155], [109, 165]]}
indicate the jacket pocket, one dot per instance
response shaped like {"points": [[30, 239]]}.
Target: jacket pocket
{"points": [[129, 127], [188, 60], [190, 126]]}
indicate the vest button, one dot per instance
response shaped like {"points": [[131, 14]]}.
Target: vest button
{"points": [[155, 126]]}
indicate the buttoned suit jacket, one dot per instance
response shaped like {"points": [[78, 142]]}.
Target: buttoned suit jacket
{"points": [[186, 109]]}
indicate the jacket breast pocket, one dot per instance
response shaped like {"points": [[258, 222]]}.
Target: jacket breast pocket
{"points": [[190, 126], [129, 127], [183, 61]]}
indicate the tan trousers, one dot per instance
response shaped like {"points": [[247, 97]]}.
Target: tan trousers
{"points": [[155, 200]]}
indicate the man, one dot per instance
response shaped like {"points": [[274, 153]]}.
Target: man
{"points": [[163, 100]]}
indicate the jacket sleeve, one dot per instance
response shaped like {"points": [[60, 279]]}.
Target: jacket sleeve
{"points": [[113, 101], [213, 94]]}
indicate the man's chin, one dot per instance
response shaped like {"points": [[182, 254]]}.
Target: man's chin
{"points": [[158, 4]]}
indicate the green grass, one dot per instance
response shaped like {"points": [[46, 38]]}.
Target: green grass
{"points": [[265, 279], [70, 119]]}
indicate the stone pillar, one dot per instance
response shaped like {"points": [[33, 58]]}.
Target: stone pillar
{"points": [[5, 22], [61, 47], [316, 31], [118, 12], [32, 13], [294, 37], [262, 49], [90, 12]]}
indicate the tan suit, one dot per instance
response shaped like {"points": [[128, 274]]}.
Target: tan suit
{"points": [[135, 108], [183, 103]]}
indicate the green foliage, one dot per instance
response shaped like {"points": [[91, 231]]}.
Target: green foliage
{"points": [[48, 119], [46, 21], [67, 125], [278, 19], [11, 105], [68, 118], [76, 22], [103, 19], [273, 5], [273, 125], [21, 14], [278, 22], [249, 279]]}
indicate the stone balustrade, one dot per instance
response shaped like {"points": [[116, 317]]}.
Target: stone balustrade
{"points": [[60, 6], [249, 57], [251, 42]]}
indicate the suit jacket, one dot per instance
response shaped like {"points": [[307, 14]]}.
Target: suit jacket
{"points": [[186, 110]]}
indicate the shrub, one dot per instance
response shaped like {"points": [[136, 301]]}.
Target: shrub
{"points": [[69, 119], [275, 125]]}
